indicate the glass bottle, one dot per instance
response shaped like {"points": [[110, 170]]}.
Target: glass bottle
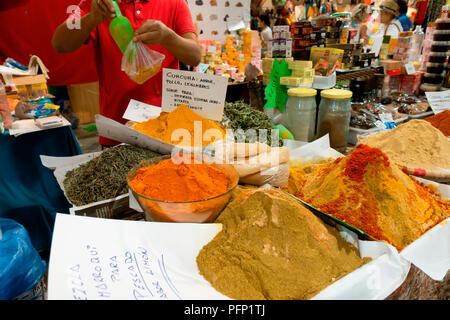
{"points": [[334, 117], [300, 116]]}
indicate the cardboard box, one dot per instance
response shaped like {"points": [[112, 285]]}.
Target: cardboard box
{"points": [[391, 65]]}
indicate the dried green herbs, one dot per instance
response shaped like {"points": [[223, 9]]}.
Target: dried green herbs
{"points": [[104, 177], [239, 115]]}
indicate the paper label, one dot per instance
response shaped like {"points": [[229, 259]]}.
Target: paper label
{"points": [[139, 111], [409, 67], [380, 124], [439, 101], [388, 121], [203, 93], [90, 260]]}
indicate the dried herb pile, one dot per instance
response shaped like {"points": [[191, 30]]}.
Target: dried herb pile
{"points": [[239, 115], [104, 177]]}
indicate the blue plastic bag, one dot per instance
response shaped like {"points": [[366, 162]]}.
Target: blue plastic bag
{"points": [[21, 267]]}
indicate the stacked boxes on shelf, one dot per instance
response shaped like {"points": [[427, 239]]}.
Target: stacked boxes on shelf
{"points": [[305, 35], [281, 45], [267, 65], [404, 42], [302, 74], [301, 34]]}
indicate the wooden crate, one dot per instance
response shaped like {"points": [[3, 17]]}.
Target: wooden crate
{"points": [[84, 98]]}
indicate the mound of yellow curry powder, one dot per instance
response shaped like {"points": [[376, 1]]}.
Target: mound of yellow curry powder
{"points": [[413, 144], [196, 130], [367, 191], [271, 247]]}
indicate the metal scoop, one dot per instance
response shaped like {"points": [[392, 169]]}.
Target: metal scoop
{"points": [[121, 29]]}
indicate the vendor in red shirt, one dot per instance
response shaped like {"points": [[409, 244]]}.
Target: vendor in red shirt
{"points": [[165, 25]]}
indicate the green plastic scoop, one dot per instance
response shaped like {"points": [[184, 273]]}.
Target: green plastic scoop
{"points": [[121, 29]]}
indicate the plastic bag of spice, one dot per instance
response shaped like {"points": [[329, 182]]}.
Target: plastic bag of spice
{"points": [[141, 63]]}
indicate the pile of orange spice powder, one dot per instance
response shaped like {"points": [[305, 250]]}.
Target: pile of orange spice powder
{"points": [[441, 121], [170, 181], [366, 191]]}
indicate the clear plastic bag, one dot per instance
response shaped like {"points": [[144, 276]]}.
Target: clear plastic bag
{"points": [[141, 63]]}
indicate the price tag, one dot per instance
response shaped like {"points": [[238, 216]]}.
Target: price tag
{"points": [[386, 117], [139, 111], [380, 125], [387, 120], [203, 93], [439, 101], [409, 67]]}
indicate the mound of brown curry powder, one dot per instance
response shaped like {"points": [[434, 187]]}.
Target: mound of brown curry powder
{"points": [[271, 247]]}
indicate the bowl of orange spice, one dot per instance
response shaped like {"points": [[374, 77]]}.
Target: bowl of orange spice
{"points": [[185, 188]]}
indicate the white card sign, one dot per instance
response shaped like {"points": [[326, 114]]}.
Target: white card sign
{"points": [[409, 67], [439, 101], [203, 93], [107, 259], [139, 111]]}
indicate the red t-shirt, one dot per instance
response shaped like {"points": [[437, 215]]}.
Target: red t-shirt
{"points": [[116, 88], [27, 27]]}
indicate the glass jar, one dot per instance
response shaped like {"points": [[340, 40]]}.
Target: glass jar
{"points": [[334, 117], [300, 117]]}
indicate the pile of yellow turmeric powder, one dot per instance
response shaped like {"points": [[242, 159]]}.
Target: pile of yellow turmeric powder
{"points": [[367, 191], [272, 248], [182, 127]]}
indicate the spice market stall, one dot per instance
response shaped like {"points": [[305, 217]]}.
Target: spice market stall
{"points": [[314, 166]]}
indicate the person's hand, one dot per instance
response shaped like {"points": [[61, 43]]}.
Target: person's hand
{"points": [[152, 32], [103, 10]]}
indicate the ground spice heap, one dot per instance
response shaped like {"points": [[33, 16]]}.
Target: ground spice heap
{"points": [[367, 191], [414, 144], [273, 248], [441, 121], [183, 117], [104, 177], [168, 181]]}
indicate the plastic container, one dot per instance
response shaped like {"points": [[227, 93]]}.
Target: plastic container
{"points": [[432, 78], [334, 117], [437, 57], [443, 24], [324, 82], [202, 211], [433, 67], [300, 117], [428, 87], [441, 35], [439, 46], [355, 132]]}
